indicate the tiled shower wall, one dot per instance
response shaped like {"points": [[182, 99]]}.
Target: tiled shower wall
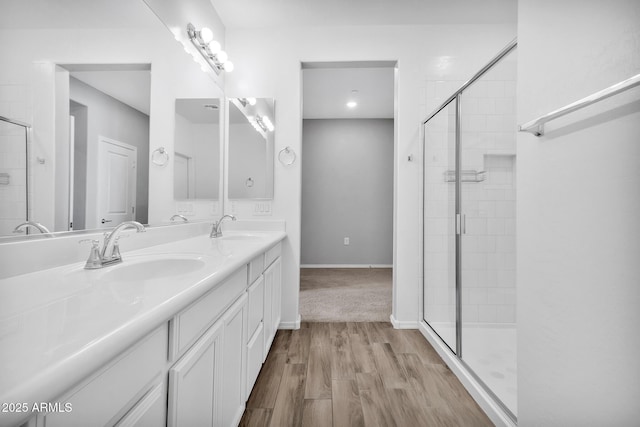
{"points": [[488, 133], [13, 195]]}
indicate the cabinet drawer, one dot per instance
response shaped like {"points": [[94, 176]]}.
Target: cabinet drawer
{"points": [[194, 320], [272, 254], [254, 358], [256, 267], [256, 305], [106, 397]]}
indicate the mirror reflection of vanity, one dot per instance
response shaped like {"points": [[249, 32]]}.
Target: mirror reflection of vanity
{"points": [[53, 57], [251, 148]]}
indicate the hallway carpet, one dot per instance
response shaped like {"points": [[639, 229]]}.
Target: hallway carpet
{"points": [[345, 294]]}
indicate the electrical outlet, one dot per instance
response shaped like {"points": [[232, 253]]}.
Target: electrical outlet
{"points": [[346, 241]]}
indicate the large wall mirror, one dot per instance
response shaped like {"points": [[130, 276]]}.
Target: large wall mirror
{"points": [[251, 148], [98, 83], [196, 171], [108, 145]]}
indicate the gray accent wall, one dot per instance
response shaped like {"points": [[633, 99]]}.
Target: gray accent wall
{"points": [[347, 191], [108, 117]]}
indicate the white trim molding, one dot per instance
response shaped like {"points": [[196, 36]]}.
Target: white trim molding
{"points": [[402, 324], [346, 266], [290, 325]]}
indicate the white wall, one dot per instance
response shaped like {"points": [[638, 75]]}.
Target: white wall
{"points": [[347, 191], [271, 68], [578, 208]]}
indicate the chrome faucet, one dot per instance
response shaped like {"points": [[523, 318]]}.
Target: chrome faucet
{"points": [[41, 228], [110, 253], [182, 217], [216, 229]]}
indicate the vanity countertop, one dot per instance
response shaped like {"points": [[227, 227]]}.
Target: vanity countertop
{"points": [[59, 325]]}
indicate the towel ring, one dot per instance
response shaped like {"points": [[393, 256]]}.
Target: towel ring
{"points": [[160, 156], [287, 156]]}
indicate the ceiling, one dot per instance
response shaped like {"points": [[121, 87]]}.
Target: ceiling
{"points": [[303, 13], [129, 86], [199, 110], [326, 92], [76, 14]]}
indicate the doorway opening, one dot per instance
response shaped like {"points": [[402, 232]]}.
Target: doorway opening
{"points": [[348, 141]]}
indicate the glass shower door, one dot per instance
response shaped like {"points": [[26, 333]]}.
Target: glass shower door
{"points": [[488, 205], [439, 211]]}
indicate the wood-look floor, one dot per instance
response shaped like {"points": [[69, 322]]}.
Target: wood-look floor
{"points": [[357, 374]]}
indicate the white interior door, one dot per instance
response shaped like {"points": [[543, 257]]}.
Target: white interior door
{"points": [[181, 171], [116, 192]]}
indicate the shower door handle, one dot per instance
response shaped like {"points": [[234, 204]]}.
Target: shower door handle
{"points": [[461, 224]]}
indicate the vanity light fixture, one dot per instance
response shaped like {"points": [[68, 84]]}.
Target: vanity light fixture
{"points": [[247, 101], [210, 49], [261, 123]]}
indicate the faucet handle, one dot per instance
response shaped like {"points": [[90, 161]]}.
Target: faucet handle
{"points": [[94, 261], [116, 248]]}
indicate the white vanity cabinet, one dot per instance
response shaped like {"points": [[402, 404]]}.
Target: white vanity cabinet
{"points": [[203, 336], [196, 369], [128, 389]]}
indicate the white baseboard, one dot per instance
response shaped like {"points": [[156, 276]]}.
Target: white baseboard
{"points": [[290, 325], [402, 324], [346, 266], [482, 398]]}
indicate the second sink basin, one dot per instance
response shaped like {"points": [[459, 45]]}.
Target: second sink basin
{"points": [[241, 236]]}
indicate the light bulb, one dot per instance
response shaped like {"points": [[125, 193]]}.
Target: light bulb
{"points": [[214, 47], [206, 35], [352, 104], [228, 66], [251, 101], [222, 56]]}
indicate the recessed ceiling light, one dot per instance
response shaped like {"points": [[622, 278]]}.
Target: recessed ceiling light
{"points": [[352, 104]]}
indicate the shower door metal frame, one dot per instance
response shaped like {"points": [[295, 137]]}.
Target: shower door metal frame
{"points": [[460, 219], [27, 143]]}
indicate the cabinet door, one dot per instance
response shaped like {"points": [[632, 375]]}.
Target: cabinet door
{"points": [[277, 294], [234, 361], [268, 310], [255, 305], [255, 357], [194, 383], [272, 296]]}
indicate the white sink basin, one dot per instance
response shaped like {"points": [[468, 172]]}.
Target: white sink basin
{"points": [[152, 267]]}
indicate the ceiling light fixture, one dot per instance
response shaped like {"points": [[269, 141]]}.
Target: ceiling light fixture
{"points": [[210, 49], [352, 104]]}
